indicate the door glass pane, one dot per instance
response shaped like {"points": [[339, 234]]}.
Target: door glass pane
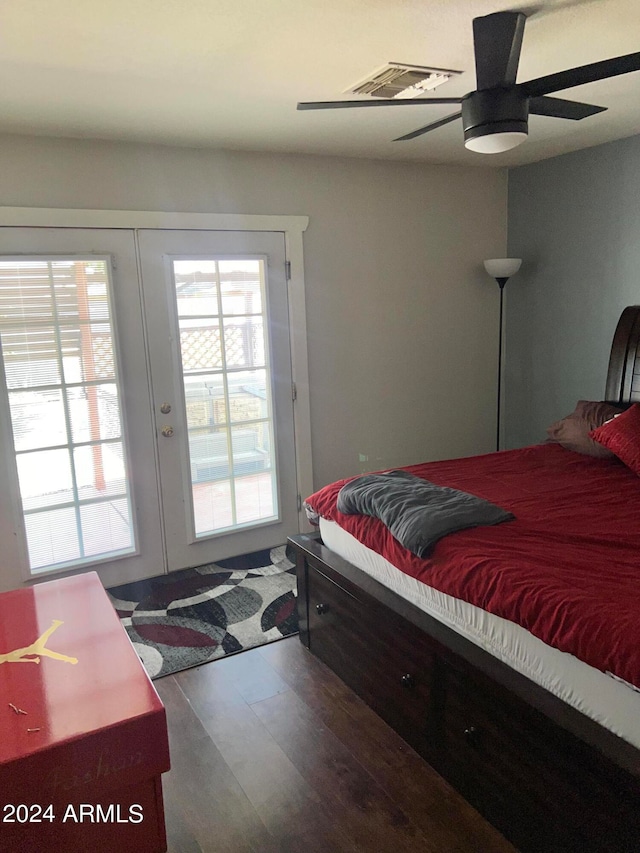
{"points": [[58, 351], [197, 289], [31, 408], [53, 538], [227, 386], [244, 342], [241, 288], [45, 478], [93, 358], [200, 344], [30, 355]]}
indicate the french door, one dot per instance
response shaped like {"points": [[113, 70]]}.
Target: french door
{"points": [[217, 318], [146, 410]]}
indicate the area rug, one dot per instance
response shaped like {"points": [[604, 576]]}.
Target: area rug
{"points": [[188, 618]]}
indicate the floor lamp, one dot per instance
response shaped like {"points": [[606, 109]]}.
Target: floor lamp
{"points": [[501, 269]]}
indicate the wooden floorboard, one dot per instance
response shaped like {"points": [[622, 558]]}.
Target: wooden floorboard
{"points": [[270, 751]]}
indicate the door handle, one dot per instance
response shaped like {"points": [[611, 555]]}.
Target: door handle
{"points": [[167, 431]]}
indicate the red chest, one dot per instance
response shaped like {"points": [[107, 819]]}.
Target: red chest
{"points": [[80, 768]]}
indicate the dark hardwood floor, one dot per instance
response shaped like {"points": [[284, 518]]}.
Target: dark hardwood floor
{"points": [[271, 752]]}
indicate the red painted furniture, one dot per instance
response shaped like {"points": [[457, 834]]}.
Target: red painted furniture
{"points": [[80, 768]]}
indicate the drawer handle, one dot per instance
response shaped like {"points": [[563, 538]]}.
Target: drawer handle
{"points": [[408, 680], [321, 609], [472, 735]]}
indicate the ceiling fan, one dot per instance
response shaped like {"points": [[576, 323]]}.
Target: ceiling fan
{"points": [[495, 116]]}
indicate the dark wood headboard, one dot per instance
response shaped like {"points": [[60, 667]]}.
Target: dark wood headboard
{"points": [[623, 376]]}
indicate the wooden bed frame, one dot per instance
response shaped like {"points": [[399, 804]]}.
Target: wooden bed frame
{"points": [[550, 778]]}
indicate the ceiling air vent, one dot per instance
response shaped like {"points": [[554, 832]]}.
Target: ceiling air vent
{"points": [[397, 80]]}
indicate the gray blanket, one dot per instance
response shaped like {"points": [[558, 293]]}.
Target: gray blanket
{"points": [[417, 512]]}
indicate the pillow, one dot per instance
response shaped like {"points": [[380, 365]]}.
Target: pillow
{"points": [[573, 431], [621, 435]]}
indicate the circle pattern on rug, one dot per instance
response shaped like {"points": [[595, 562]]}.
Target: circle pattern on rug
{"points": [[190, 617]]}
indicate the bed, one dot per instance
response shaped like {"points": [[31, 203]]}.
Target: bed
{"points": [[536, 724]]}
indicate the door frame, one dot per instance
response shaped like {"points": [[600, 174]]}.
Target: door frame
{"points": [[292, 227]]}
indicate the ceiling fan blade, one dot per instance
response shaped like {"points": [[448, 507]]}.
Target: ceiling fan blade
{"points": [[497, 40], [559, 108], [585, 74], [392, 102], [428, 127]]}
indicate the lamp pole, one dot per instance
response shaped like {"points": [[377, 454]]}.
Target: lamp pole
{"points": [[501, 269], [501, 283]]}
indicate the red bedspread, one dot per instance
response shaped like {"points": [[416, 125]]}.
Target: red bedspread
{"points": [[567, 569]]}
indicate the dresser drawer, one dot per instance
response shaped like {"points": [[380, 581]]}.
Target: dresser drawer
{"points": [[389, 669], [512, 765]]}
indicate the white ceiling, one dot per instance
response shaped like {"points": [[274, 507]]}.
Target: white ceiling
{"points": [[228, 73]]}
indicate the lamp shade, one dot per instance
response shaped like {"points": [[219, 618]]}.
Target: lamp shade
{"points": [[502, 267]]}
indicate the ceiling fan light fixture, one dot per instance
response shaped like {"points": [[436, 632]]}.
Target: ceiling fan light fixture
{"points": [[496, 142], [494, 120]]}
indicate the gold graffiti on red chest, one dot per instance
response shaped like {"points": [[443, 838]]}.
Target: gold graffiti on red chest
{"points": [[37, 650]]}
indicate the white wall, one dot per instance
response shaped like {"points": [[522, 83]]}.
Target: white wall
{"points": [[401, 316]]}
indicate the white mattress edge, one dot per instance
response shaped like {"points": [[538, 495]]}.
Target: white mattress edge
{"points": [[608, 701]]}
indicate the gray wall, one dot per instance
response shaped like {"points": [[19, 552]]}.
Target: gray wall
{"points": [[401, 365], [575, 222]]}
